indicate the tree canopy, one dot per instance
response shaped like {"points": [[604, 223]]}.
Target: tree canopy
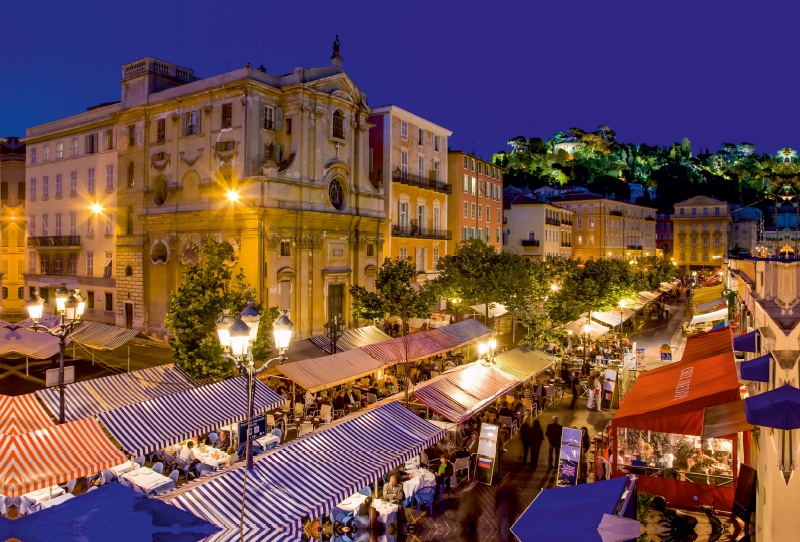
{"points": [[393, 295]]}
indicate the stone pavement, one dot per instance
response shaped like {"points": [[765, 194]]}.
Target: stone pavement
{"points": [[526, 480]]}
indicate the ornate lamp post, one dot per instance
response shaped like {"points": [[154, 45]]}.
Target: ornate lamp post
{"points": [[70, 306], [237, 337], [334, 329], [622, 304], [586, 329], [488, 349]]}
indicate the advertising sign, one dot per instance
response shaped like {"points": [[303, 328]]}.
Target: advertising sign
{"points": [[51, 377], [639, 358], [258, 428], [609, 385], [487, 452], [569, 462], [666, 351]]}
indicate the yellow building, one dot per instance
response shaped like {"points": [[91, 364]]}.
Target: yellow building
{"points": [[536, 229], [701, 225], [12, 222], [409, 159], [274, 165], [606, 228]]}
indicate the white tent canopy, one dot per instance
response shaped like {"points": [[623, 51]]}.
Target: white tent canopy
{"points": [[596, 330], [710, 317], [495, 310]]}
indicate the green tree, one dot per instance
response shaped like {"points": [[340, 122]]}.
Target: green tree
{"points": [[596, 286], [262, 346], [207, 288]]}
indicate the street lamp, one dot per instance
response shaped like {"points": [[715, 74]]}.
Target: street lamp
{"points": [[70, 307], [586, 329], [237, 337], [334, 329], [489, 348], [622, 304], [454, 303]]}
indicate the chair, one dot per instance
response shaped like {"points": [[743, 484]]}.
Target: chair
{"points": [[357, 393], [306, 428], [277, 432], [212, 437], [509, 423], [202, 469], [338, 515], [434, 374], [185, 469], [169, 461], [372, 398], [325, 413], [366, 491], [69, 485], [298, 409], [271, 422], [292, 427], [139, 460], [462, 463], [158, 467], [109, 476], [424, 497], [550, 394], [174, 475], [287, 405]]}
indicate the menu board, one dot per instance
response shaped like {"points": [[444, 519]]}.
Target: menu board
{"points": [[569, 461], [609, 385], [487, 452]]}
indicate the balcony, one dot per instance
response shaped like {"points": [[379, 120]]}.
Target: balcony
{"points": [[413, 230], [566, 245], [530, 242], [552, 221], [421, 182], [634, 247], [566, 222], [55, 241], [650, 219], [615, 213]]}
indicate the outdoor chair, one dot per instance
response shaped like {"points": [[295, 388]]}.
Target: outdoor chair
{"points": [[325, 413], [174, 476], [202, 469], [169, 461], [212, 437], [140, 460], [434, 374], [278, 433], [271, 422], [424, 497], [158, 467], [550, 394], [444, 488], [185, 469], [108, 476], [306, 428], [310, 408], [69, 486], [462, 463], [338, 413], [156, 455], [372, 398], [298, 409], [292, 427], [509, 423], [357, 393]]}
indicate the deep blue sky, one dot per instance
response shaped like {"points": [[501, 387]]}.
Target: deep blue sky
{"points": [[654, 71]]}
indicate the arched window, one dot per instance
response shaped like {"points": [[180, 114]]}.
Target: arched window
{"points": [[158, 254], [130, 175], [338, 124], [128, 271], [129, 222], [160, 191], [336, 194]]}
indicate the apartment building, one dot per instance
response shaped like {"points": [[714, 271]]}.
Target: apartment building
{"points": [[606, 228], [746, 229], [274, 165], [701, 227], [12, 224], [408, 158], [665, 235], [536, 229], [476, 206]]}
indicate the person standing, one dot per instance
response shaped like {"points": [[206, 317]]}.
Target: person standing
{"points": [[470, 512], [525, 434], [506, 506], [598, 392], [537, 436], [575, 384], [590, 385], [553, 434], [666, 311]]}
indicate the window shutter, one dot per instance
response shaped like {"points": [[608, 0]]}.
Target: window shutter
{"points": [[184, 122], [95, 140], [105, 140], [261, 118], [86, 144], [198, 126], [279, 118]]}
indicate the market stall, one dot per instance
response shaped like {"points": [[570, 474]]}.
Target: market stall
{"points": [[22, 414], [524, 363], [322, 373]]}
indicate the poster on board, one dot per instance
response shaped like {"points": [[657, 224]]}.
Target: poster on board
{"points": [[487, 452], [666, 351], [569, 461], [609, 385]]}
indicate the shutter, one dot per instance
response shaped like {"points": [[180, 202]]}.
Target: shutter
{"points": [[279, 118], [277, 154], [105, 140], [199, 126], [95, 139], [86, 144], [184, 122], [261, 119]]}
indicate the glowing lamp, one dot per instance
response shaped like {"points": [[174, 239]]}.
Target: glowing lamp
{"points": [[492, 343], [232, 195], [282, 331], [81, 303], [239, 333], [61, 297], [251, 317], [482, 348], [35, 305], [223, 323]]}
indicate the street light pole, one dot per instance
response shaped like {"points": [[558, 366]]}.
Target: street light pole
{"points": [[334, 329]]}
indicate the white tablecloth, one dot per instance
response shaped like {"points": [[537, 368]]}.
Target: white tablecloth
{"points": [[268, 439], [207, 457], [387, 512], [352, 503], [56, 501], [39, 496], [419, 478], [147, 479], [124, 468]]}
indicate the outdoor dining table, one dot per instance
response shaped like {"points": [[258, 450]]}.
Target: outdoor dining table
{"points": [[124, 468], [352, 503], [387, 512], [315, 420], [56, 501], [267, 440], [32, 500], [419, 478], [150, 481], [207, 456]]}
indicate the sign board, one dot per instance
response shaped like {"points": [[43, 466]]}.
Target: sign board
{"points": [[487, 453], [666, 351], [51, 376], [609, 385], [569, 461], [258, 428]]}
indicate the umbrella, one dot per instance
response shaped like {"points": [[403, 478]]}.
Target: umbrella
{"points": [[778, 408]]}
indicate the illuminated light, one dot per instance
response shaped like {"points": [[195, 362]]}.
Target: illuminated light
{"points": [[554, 287], [623, 303], [586, 328], [492, 343], [96, 208], [232, 195], [482, 348]]}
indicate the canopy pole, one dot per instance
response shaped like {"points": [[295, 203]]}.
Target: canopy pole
{"points": [[92, 356], [129, 357], [26, 366], [74, 346]]}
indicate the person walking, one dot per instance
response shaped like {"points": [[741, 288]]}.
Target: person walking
{"points": [[598, 392], [506, 506], [525, 434], [666, 311], [470, 512], [553, 434], [575, 384], [590, 385], [537, 436]]}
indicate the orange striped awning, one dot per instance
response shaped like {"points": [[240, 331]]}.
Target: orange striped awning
{"points": [[42, 458], [22, 414]]}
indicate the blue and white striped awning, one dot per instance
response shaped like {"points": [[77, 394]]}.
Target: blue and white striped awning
{"points": [[91, 397], [308, 477], [102, 336], [152, 425]]}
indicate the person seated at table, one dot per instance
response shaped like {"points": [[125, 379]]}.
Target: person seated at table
{"points": [[186, 454], [350, 397], [393, 490], [443, 472], [309, 398], [505, 410], [222, 442], [391, 389], [338, 401], [471, 446]]}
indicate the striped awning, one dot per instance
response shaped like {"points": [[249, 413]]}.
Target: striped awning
{"points": [[102, 336], [413, 347], [304, 349], [523, 362], [32, 344], [22, 414], [595, 330], [145, 427], [91, 397], [351, 338], [650, 296], [55, 455], [466, 331], [496, 309], [322, 373], [458, 395], [310, 475]]}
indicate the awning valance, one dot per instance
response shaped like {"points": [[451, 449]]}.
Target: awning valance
{"points": [[102, 336], [55, 455], [22, 414], [725, 419], [326, 372], [613, 318], [466, 331], [496, 309], [747, 342], [90, 397], [351, 338], [310, 475], [756, 369], [304, 349], [595, 330], [523, 362], [458, 395], [26, 343], [710, 317], [152, 425], [413, 347]]}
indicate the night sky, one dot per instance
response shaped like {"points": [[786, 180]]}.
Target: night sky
{"points": [[654, 71]]}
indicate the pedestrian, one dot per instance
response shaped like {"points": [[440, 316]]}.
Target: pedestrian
{"points": [[590, 385], [576, 390], [584, 451], [470, 512], [537, 436], [525, 434], [506, 506], [598, 392], [666, 311], [553, 434]]}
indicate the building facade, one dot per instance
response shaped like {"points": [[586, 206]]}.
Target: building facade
{"points": [[409, 161], [536, 229], [665, 235], [747, 229], [475, 208], [275, 166], [606, 228], [701, 227], [12, 224]]}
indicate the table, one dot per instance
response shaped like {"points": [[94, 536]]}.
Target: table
{"points": [[56, 501], [387, 512], [419, 478], [124, 468], [352, 503], [150, 481], [268, 439], [207, 457], [33, 499]]}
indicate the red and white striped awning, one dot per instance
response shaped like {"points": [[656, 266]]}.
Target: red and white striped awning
{"points": [[22, 414], [46, 457]]}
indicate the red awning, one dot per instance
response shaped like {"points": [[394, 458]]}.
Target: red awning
{"points": [[22, 414], [708, 344], [671, 399]]}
